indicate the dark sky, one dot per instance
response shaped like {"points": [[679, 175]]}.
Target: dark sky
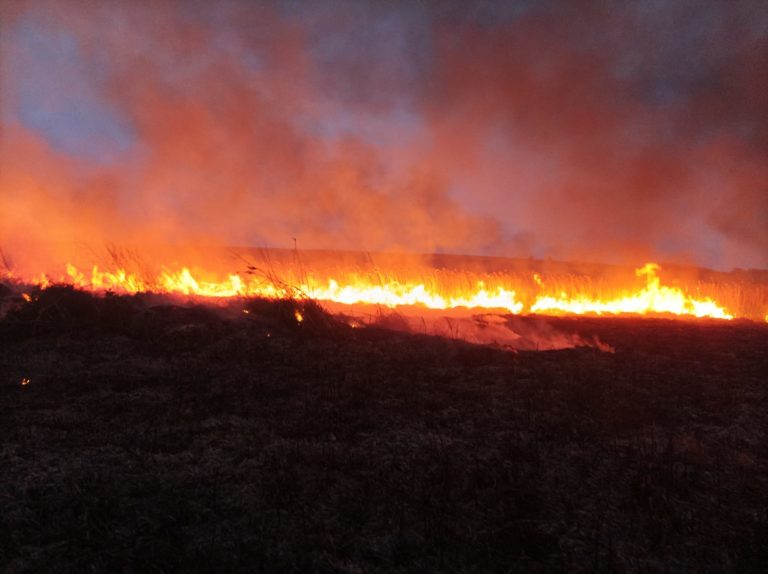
{"points": [[600, 131]]}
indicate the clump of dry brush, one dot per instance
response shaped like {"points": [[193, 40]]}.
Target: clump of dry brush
{"points": [[65, 308]]}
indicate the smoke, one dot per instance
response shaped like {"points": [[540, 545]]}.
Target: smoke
{"points": [[615, 130], [614, 133]]}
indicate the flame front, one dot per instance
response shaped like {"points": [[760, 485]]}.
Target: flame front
{"points": [[539, 297], [654, 298]]}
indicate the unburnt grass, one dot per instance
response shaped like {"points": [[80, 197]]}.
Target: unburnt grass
{"points": [[146, 437]]}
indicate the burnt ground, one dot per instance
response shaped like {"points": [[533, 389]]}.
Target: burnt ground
{"points": [[185, 439]]}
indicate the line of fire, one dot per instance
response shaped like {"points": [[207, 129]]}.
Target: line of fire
{"points": [[400, 281]]}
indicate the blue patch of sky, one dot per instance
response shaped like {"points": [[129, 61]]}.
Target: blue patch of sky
{"points": [[57, 94]]}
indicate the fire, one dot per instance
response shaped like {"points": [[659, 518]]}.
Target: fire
{"points": [[654, 298], [390, 294], [540, 294], [395, 294]]}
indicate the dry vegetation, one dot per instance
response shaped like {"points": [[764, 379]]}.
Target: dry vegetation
{"points": [[183, 438]]}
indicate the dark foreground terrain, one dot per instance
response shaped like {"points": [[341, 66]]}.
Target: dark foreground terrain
{"points": [[186, 439]]}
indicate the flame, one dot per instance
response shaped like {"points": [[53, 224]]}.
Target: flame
{"points": [[548, 296], [396, 294], [654, 298]]}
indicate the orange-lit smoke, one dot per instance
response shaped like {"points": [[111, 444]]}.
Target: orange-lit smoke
{"points": [[224, 150], [420, 129]]}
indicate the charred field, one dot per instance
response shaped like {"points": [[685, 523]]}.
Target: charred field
{"points": [[153, 437]]}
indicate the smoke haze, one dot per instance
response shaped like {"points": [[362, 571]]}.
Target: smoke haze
{"points": [[614, 132]]}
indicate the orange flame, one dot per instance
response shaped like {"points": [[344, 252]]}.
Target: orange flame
{"points": [[652, 298]]}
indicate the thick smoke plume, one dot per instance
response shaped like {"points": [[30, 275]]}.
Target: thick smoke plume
{"points": [[597, 131]]}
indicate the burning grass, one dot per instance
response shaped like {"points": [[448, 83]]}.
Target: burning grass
{"points": [[429, 282], [64, 307], [141, 436]]}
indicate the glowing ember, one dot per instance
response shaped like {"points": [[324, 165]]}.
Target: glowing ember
{"points": [[538, 294]]}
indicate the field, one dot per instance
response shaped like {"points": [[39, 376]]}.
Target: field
{"points": [[158, 438]]}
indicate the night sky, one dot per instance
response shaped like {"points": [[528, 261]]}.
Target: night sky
{"points": [[598, 131]]}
